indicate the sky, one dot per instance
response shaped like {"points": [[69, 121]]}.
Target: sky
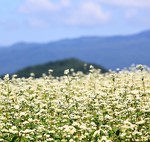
{"points": [[43, 21]]}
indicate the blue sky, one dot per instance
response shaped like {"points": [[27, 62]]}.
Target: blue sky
{"points": [[47, 20]]}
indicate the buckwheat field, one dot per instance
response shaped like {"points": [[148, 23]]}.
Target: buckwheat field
{"points": [[94, 107]]}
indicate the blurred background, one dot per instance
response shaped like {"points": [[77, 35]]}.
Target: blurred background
{"points": [[37, 35]]}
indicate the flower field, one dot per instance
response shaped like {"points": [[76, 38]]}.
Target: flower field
{"points": [[111, 107]]}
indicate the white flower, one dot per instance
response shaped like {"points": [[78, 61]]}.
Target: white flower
{"points": [[27, 131], [108, 117], [75, 124], [69, 129], [96, 133], [16, 106], [71, 140], [104, 138], [66, 72], [13, 130], [13, 127], [22, 113], [140, 122], [30, 120]]}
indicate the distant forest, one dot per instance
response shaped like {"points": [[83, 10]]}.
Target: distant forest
{"points": [[58, 68]]}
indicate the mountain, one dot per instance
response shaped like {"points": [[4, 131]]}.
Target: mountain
{"points": [[58, 68], [110, 52]]}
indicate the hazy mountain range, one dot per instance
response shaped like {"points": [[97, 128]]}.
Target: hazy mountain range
{"points": [[110, 52]]}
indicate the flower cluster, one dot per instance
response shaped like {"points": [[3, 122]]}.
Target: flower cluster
{"points": [[95, 107]]}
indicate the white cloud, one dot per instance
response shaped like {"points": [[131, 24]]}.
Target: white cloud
{"points": [[131, 13], [31, 6], [88, 13], [128, 3], [65, 3], [64, 12]]}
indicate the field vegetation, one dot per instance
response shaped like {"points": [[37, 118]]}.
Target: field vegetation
{"points": [[77, 107]]}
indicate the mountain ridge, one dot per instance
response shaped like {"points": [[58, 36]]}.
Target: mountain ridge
{"points": [[110, 52], [58, 68], [145, 32]]}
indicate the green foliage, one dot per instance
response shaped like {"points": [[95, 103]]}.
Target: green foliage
{"points": [[76, 108]]}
